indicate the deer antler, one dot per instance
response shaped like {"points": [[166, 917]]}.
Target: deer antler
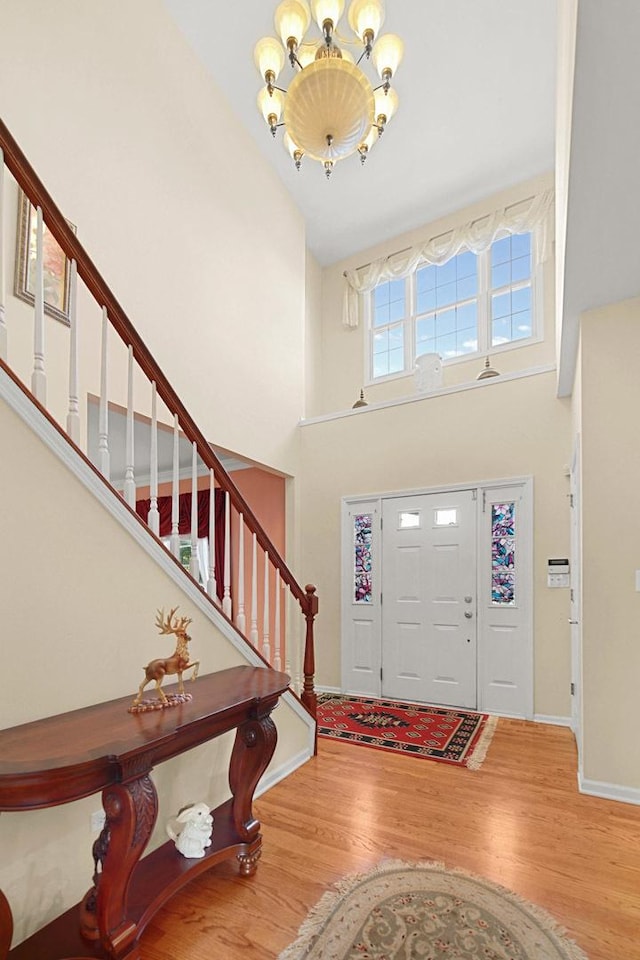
{"points": [[165, 625]]}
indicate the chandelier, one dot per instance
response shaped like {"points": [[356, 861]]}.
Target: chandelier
{"points": [[331, 109]]}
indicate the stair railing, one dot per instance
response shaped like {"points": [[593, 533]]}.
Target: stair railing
{"points": [[262, 603]]}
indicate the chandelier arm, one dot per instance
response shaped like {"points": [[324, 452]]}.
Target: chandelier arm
{"points": [[360, 58]]}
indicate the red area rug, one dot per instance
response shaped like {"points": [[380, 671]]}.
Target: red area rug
{"points": [[435, 733]]}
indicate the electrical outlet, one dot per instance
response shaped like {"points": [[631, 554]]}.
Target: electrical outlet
{"points": [[97, 820]]}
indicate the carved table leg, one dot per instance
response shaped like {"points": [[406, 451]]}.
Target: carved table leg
{"points": [[253, 748], [6, 926], [131, 810]]}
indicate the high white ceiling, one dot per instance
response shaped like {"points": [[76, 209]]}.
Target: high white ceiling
{"points": [[477, 100]]}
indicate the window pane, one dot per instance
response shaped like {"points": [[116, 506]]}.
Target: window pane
{"points": [[396, 361], [468, 287], [467, 341], [445, 322], [446, 294], [521, 325], [381, 365], [446, 272], [447, 346], [501, 275], [426, 327], [501, 331], [381, 316], [467, 315], [381, 294], [426, 278], [501, 305], [521, 299], [362, 540], [425, 346], [396, 338], [447, 517], [408, 519], [500, 251], [396, 290], [503, 553], [396, 310], [520, 269], [381, 342], [467, 265], [521, 245], [426, 300]]}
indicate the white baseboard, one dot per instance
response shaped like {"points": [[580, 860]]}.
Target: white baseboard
{"points": [[609, 791], [320, 689], [274, 776], [548, 718]]}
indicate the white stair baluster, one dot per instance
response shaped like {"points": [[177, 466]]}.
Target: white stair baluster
{"points": [[153, 517], [212, 587], [39, 377], [174, 544], [226, 598], [287, 631], [3, 323], [277, 657], [129, 473], [193, 562], [266, 641], [73, 415], [253, 634], [103, 425], [241, 617]]}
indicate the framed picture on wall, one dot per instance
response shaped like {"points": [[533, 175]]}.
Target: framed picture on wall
{"points": [[56, 265]]}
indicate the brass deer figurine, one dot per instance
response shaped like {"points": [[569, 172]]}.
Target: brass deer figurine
{"points": [[177, 663]]}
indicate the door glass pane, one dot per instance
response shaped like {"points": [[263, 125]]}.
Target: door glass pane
{"points": [[447, 517], [362, 525], [503, 550], [409, 519]]}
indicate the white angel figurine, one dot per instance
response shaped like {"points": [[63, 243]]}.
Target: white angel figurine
{"points": [[191, 830]]}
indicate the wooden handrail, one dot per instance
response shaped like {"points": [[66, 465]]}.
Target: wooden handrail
{"points": [[33, 187]]}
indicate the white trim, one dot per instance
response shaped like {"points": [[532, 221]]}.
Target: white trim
{"points": [[29, 413], [336, 690], [444, 488], [442, 392], [548, 718], [609, 791], [281, 772]]}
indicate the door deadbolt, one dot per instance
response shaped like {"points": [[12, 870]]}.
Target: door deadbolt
{"points": [[468, 599]]}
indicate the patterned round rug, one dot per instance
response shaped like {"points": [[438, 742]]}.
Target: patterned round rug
{"points": [[422, 911]]}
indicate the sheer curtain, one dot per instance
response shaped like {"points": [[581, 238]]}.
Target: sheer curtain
{"points": [[476, 235]]}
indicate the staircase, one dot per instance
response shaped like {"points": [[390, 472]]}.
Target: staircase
{"points": [[247, 584]]}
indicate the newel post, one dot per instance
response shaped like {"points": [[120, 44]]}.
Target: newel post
{"points": [[308, 696]]}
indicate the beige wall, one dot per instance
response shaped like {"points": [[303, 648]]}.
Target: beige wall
{"points": [[343, 348], [79, 599], [500, 429], [610, 374], [197, 237]]}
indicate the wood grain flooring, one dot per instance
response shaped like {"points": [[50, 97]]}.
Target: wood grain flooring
{"points": [[519, 821]]}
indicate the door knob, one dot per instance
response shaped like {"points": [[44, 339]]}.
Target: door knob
{"points": [[468, 614]]}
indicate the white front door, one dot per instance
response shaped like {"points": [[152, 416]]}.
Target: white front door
{"points": [[429, 604]]}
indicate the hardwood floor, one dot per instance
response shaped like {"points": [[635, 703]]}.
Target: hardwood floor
{"points": [[519, 821]]}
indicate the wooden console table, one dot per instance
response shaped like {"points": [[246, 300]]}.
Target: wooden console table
{"points": [[103, 747]]}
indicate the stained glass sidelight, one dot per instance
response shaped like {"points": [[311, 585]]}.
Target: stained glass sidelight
{"points": [[503, 577], [362, 523]]}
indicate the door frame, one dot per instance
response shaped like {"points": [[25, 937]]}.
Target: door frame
{"points": [[575, 598], [371, 501]]}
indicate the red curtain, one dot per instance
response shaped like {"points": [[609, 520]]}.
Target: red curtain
{"points": [[184, 523]]}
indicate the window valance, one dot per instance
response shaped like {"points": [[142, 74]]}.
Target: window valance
{"points": [[476, 235]]}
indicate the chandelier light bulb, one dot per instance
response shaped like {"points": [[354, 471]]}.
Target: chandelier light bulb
{"points": [[294, 151], [269, 58], [325, 12], [365, 19], [386, 104], [367, 143], [387, 55], [292, 19], [271, 106], [307, 54]]}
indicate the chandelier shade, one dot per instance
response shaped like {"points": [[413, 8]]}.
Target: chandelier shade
{"points": [[328, 109], [334, 105]]}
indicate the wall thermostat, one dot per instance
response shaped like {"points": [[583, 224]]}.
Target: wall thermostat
{"points": [[558, 572]]}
